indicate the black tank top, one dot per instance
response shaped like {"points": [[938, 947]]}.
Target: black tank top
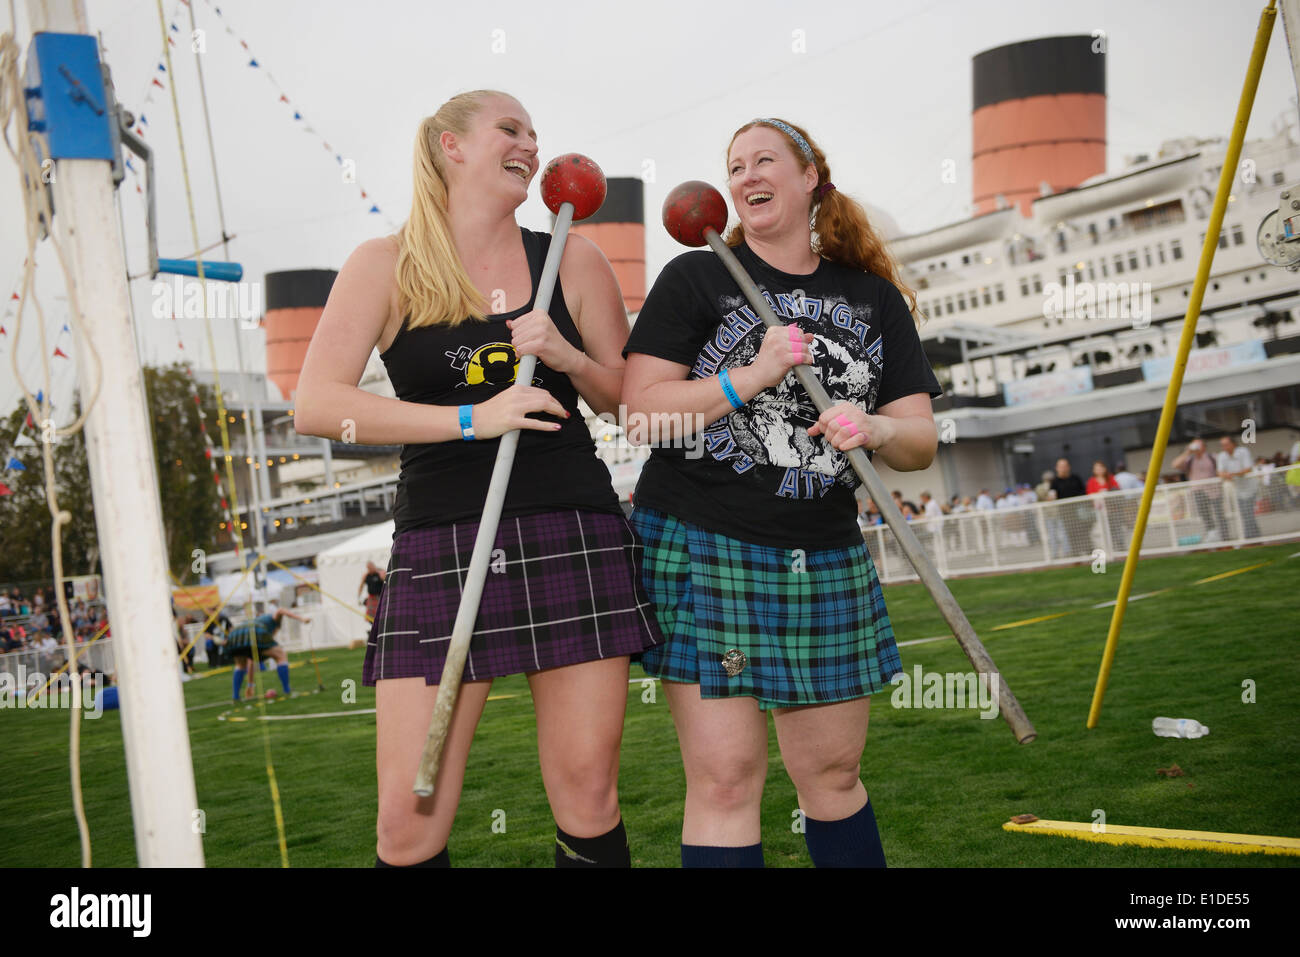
{"points": [[469, 363]]}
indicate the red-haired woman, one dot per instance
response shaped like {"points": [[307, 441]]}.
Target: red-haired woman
{"points": [[448, 302], [766, 595], [1102, 480]]}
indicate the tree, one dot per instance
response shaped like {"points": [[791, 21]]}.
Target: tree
{"points": [[191, 507], [190, 504], [25, 514]]}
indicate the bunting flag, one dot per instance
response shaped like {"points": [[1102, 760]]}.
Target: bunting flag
{"points": [[372, 208], [59, 353], [5, 489], [282, 96], [15, 465]]}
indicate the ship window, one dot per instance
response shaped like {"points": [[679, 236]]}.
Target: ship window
{"points": [[987, 300], [1176, 248], [998, 292], [1132, 259], [1223, 240], [1146, 252], [1038, 284], [1105, 270], [1237, 237], [1160, 252], [1119, 265], [1024, 285], [1278, 178]]}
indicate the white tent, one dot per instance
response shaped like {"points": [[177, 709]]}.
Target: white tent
{"points": [[341, 568]]}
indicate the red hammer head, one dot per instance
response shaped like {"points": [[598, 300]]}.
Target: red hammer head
{"points": [[693, 208], [573, 178]]}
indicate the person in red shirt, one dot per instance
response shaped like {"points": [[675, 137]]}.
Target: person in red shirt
{"points": [[1102, 480]]}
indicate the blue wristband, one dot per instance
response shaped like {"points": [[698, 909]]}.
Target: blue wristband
{"points": [[729, 390], [466, 413]]}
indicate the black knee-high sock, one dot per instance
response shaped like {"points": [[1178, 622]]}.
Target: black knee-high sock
{"points": [[703, 855], [851, 842], [438, 860], [608, 850]]}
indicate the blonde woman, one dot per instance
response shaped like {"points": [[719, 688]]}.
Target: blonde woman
{"points": [[448, 302]]}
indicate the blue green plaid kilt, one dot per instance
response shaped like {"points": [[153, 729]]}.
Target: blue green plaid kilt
{"points": [[811, 623]]}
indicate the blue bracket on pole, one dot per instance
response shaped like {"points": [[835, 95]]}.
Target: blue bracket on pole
{"points": [[218, 271], [66, 103]]}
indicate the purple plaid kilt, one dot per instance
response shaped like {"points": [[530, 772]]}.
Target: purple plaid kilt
{"points": [[564, 588]]}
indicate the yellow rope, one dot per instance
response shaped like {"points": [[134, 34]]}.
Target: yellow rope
{"points": [[221, 410], [319, 590]]}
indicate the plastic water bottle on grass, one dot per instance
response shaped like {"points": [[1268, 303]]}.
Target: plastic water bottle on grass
{"points": [[1179, 728]]}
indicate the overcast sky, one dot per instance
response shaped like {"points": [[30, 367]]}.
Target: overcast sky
{"points": [[643, 88]]}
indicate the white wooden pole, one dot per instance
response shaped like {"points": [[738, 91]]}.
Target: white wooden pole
{"points": [[128, 514]]}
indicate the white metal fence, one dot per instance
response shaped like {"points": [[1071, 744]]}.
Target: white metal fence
{"points": [[1185, 516]]}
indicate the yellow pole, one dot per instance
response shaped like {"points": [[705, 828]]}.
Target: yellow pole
{"points": [[1226, 177]]}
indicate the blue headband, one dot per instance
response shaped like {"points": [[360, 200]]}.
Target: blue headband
{"points": [[791, 132]]}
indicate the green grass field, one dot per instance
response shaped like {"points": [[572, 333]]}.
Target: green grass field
{"points": [[942, 781]]}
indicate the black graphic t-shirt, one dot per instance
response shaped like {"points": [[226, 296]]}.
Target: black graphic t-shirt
{"points": [[756, 474], [469, 363]]}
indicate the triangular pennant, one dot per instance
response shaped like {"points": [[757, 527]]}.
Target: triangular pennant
{"points": [[40, 396], [59, 352], [283, 98], [129, 166], [157, 84], [297, 115], [2, 331], [252, 63], [363, 194], [13, 295], [5, 489], [143, 121], [243, 44], [171, 41], [175, 28], [15, 465], [374, 209], [65, 328], [29, 423], [139, 132], [161, 68]]}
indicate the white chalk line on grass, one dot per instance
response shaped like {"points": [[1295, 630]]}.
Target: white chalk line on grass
{"points": [[320, 714]]}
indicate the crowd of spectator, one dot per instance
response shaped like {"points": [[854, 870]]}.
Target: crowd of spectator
{"points": [[1233, 464], [32, 623]]}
